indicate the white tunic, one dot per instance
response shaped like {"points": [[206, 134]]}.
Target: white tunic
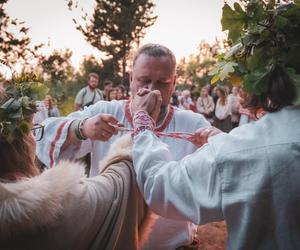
{"points": [[249, 177], [166, 234]]}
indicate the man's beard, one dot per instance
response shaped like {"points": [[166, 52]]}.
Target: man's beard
{"points": [[92, 87]]}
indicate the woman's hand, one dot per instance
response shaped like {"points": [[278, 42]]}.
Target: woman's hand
{"points": [[202, 134]]}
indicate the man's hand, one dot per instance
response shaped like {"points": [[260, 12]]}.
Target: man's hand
{"points": [[149, 101], [100, 127], [201, 135]]}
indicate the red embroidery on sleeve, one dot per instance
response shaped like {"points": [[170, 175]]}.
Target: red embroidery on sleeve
{"points": [[52, 147]]}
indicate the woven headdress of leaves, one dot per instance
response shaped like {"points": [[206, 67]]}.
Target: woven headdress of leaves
{"points": [[17, 105], [265, 35]]}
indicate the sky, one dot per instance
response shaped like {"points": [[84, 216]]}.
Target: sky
{"points": [[181, 25]]}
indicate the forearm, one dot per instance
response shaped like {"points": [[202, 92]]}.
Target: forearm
{"points": [[71, 139], [185, 190]]}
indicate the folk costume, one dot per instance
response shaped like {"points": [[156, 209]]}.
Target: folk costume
{"points": [[249, 177], [166, 233]]}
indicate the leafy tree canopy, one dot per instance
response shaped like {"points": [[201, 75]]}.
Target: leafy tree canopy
{"points": [[57, 72], [194, 69], [265, 35], [116, 27]]}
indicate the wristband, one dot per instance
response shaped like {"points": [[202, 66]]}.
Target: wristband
{"points": [[77, 127], [142, 121]]}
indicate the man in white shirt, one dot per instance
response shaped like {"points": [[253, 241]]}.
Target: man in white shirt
{"points": [[94, 130]]}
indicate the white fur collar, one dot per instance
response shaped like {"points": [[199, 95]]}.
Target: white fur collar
{"points": [[35, 202]]}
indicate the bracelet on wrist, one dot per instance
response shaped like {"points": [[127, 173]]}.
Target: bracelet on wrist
{"points": [[77, 127], [80, 128]]}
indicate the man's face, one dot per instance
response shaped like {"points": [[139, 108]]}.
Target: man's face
{"points": [[93, 82], [154, 73], [204, 92]]}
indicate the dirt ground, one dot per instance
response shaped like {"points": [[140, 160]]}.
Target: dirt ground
{"points": [[212, 236]]}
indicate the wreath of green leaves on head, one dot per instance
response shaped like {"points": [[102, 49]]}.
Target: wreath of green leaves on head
{"points": [[17, 104], [265, 35]]}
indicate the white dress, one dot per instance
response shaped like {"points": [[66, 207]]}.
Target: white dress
{"points": [[166, 234]]}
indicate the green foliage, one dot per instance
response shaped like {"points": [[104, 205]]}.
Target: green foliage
{"points": [[67, 106], [194, 70], [57, 67], [18, 105], [233, 20], [265, 35], [115, 28], [58, 72]]}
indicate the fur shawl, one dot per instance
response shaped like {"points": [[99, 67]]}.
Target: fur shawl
{"points": [[35, 202], [32, 203], [38, 202]]}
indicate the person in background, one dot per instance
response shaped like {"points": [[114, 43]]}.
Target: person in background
{"points": [[45, 109], [205, 104], [174, 98], [89, 94], [194, 96], [235, 101], [222, 118], [107, 85], [112, 94], [214, 95], [185, 100], [154, 68], [121, 92]]}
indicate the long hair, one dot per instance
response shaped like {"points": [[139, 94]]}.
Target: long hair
{"points": [[224, 94], [280, 93], [18, 157]]}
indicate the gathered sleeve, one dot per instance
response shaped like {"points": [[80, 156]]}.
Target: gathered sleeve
{"points": [[189, 189], [49, 149]]}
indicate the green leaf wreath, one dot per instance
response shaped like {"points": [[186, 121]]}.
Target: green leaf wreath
{"points": [[265, 35], [17, 105]]}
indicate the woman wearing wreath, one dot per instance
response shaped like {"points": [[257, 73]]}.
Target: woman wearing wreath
{"points": [[59, 208]]}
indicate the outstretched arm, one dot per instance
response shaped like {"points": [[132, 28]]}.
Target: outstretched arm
{"points": [[189, 189], [60, 140]]}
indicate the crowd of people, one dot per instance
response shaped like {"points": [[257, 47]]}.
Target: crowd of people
{"points": [[223, 106], [171, 171]]}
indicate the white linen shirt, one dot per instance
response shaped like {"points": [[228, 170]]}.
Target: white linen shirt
{"points": [[249, 177], [166, 233]]}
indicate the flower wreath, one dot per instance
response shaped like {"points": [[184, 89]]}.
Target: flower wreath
{"points": [[17, 104]]}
